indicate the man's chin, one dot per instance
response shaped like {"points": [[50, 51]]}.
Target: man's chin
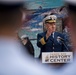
{"points": [[54, 30]]}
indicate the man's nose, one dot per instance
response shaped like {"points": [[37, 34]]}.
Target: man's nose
{"points": [[53, 25]]}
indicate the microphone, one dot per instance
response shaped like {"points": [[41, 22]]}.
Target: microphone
{"points": [[59, 38], [63, 42]]}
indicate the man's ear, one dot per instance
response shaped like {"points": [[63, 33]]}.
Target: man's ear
{"points": [[69, 23]]}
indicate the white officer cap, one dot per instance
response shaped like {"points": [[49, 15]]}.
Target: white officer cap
{"points": [[23, 36], [72, 2], [12, 3], [49, 19], [71, 5]]}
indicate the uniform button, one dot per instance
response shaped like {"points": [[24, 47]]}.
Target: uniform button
{"points": [[53, 47]]}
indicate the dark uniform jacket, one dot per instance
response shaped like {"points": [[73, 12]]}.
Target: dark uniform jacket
{"points": [[51, 44]]}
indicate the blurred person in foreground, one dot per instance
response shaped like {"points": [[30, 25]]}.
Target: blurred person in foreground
{"points": [[49, 41], [13, 60], [70, 69]]}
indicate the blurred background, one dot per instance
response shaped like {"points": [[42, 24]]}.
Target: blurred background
{"points": [[36, 10]]}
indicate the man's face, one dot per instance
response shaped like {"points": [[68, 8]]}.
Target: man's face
{"points": [[24, 41], [51, 26]]}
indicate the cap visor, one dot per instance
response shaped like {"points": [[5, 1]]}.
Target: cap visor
{"points": [[50, 21]]}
